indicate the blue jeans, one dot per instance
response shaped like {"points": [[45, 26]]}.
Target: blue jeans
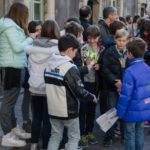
{"points": [[134, 136], [57, 127]]}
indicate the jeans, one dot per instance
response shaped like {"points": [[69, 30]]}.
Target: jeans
{"points": [[7, 112], [40, 119], [72, 126], [108, 100], [134, 136]]}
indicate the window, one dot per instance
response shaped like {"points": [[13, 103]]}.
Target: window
{"points": [[114, 3], [36, 10]]}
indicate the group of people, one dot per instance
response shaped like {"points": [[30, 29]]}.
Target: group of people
{"points": [[65, 74]]}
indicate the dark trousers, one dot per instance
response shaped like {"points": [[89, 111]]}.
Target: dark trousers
{"points": [[40, 120], [26, 105], [7, 109], [87, 111], [108, 100]]}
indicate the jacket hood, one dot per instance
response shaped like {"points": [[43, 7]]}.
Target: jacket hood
{"points": [[43, 42], [6, 23], [57, 60]]}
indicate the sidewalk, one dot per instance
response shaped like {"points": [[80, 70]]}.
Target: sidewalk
{"points": [[116, 145]]}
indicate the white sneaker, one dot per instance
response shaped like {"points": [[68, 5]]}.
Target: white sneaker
{"points": [[11, 140], [34, 146], [21, 133]]}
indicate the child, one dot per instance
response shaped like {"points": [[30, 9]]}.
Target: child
{"points": [[39, 54], [64, 89], [90, 55], [113, 64], [34, 27], [134, 102]]}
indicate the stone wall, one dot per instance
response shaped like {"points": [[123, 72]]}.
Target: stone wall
{"points": [[65, 9]]}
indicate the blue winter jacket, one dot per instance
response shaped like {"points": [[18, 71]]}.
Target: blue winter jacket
{"points": [[12, 43], [134, 101]]}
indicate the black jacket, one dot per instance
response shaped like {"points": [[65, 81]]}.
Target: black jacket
{"points": [[110, 69], [78, 62], [85, 23], [104, 30], [64, 88]]}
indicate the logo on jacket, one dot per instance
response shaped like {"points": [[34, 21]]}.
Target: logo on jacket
{"points": [[56, 70]]}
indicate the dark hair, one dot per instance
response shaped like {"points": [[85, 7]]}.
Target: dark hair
{"points": [[107, 11], [116, 25], [135, 19], [136, 46], [32, 26], [75, 19], [145, 26], [50, 29], [74, 28], [122, 19], [128, 17], [68, 41], [93, 31], [85, 11], [18, 12]]}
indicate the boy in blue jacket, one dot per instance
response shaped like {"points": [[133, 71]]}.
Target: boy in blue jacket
{"points": [[134, 102]]}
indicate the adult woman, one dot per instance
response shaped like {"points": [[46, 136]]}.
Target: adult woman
{"points": [[13, 31]]}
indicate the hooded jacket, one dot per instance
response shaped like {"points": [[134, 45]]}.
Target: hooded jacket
{"points": [[64, 88], [134, 102], [12, 43], [39, 54]]}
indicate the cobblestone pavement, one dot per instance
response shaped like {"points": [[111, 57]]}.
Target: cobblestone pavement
{"points": [[116, 143]]}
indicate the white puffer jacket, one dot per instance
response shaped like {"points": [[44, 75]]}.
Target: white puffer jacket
{"points": [[38, 58]]}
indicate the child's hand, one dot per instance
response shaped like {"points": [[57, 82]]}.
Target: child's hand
{"points": [[95, 99], [118, 85], [96, 67], [89, 67]]}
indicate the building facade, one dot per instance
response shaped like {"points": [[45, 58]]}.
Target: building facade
{"points": [[60, 10]]}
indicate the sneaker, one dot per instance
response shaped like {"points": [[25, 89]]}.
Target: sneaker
{"points": [[11, 140], [21, 133], [147, 124], [117, 133], [34, 147], [92, 139], [107, 143], [27, 126], [83, 143]]}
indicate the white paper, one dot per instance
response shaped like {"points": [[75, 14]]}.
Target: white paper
{"points": [[107, 120]]}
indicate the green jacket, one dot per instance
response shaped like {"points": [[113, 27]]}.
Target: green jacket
{"points": [[12, 43]]}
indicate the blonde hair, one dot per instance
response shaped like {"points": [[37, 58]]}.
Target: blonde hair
{"points": [[121, 33]]}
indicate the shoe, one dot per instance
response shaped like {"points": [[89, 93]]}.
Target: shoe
{"points": [[21, 133], [34, 147], [91, 139], [122, 141], [27, 126], [107, 143], [147, 124], [117, 133], [83, 143], [11, 140]]}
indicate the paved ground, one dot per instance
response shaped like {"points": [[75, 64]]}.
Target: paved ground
{"points": [[116, 146]]}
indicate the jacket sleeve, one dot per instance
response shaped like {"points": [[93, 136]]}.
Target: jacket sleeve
{"points": [[74, 81], [83, 70], [125, 95], [15, 41], [106, 71]]}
